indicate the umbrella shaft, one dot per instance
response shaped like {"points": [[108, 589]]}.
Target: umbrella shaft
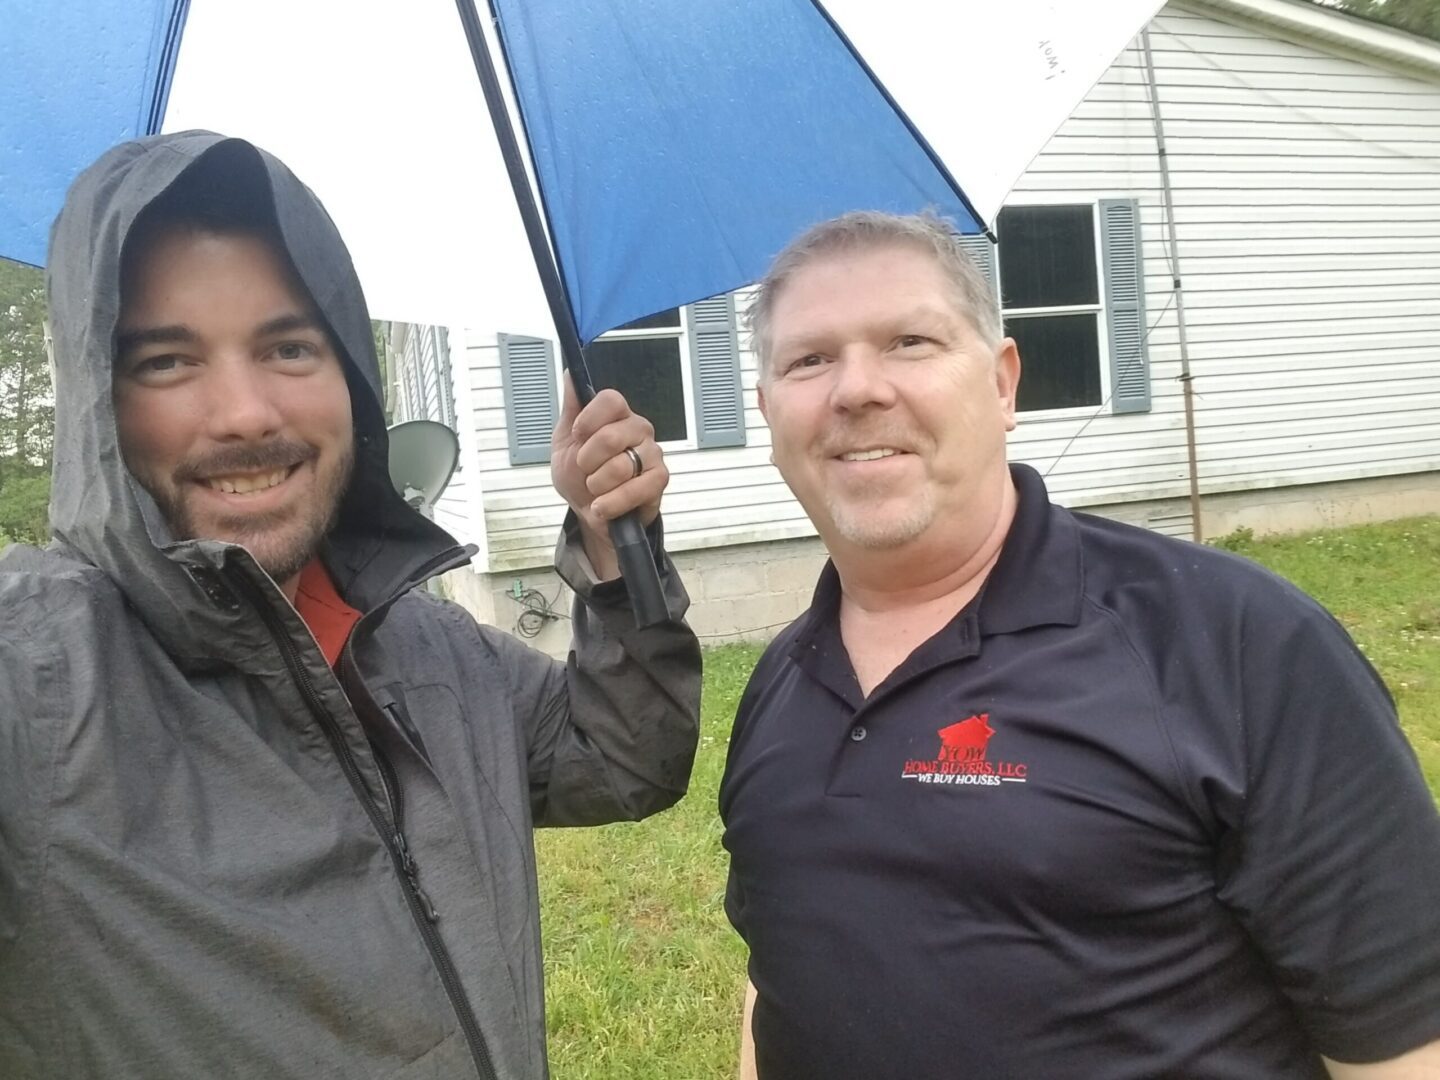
{"points": [[632, 547], [556, 297]]}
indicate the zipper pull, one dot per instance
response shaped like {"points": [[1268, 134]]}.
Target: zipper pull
{"points": [[407, 861], [412, 876], [423, 897]]}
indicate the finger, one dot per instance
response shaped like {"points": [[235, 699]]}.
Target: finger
{"points": [[641, 493], [569, 411], [611, 440], [607, 407], [620, 468]]}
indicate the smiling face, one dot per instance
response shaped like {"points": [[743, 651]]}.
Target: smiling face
{"points": [[887, 411], [230, 400]]}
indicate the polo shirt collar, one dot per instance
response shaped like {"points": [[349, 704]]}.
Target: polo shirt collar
{"points": [[1039, 578], [1037, 581]]}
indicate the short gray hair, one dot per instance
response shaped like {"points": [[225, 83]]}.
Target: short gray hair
{"points": [[867, 230]]}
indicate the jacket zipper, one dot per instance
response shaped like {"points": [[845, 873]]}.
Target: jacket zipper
{"points": [[421, 909], [390, 781]]}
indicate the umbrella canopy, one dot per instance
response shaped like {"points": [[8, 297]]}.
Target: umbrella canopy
{"points": [[75, 79], [677, 144]]}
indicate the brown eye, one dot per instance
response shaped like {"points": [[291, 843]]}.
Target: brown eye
{"points": [[154, 366]]}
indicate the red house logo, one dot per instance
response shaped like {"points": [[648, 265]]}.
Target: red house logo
{"points": [[966, 740], [963, 758]]}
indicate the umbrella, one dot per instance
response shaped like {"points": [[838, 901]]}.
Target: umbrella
{"points": [[675, 145]]}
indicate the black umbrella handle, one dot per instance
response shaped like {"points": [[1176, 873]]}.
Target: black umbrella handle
{"points": [[627, 535], [637, 567], [637, 561]]}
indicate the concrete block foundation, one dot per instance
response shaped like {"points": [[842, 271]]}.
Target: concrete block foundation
{"points": [[748, 592]]}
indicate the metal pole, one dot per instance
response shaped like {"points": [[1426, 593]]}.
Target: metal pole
{"points": [[637, 562], [1186, 380]]}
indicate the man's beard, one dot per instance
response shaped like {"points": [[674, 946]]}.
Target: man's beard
{"points": [[873, 528], [863, 513], [281, 542]]}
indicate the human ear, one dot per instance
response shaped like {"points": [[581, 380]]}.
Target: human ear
{"points": [[1007, 379]]}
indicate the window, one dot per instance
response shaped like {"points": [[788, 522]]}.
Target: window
{"points": [[1073, 299], [679, 368], [643, 360], [1050, 286]]}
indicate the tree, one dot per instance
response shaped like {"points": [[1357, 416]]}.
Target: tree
{"points": [[1415, 16], [27, 405]]}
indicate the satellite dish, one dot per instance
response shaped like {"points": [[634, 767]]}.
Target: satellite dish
{"points": [[423, 455]]}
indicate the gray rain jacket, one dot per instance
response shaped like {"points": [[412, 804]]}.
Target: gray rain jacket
{"points": [[219, 859]]}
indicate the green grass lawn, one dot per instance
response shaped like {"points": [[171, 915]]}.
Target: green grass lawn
{"points": [[1383, 583], [644, 974]]}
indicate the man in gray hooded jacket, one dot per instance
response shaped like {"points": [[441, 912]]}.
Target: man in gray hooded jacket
{"points": [[265, 807]]}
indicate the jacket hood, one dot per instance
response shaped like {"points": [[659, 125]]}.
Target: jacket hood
{"points": [[379, 544]]}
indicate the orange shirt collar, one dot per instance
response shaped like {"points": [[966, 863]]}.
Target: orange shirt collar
{"points": [[319, 603]]}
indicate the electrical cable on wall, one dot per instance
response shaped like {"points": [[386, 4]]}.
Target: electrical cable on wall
{"points": [[536, 609]]}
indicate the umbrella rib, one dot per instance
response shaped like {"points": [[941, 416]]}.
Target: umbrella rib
{"points": [[904, 117], [165, 71]]}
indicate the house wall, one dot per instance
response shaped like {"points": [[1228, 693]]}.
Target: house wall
{"points": [[1307, 198], [715, 496], [415, 351], [1307, 203]]}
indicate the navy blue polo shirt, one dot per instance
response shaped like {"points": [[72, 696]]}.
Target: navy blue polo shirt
{"points": [[1140, 810]]}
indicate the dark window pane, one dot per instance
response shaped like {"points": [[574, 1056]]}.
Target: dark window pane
{"points": [[661, 320], [1059, 360], [647, 372], [1047, 256]]}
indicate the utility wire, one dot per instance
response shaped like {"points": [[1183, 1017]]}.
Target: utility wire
{"points": [[1106, 403]]}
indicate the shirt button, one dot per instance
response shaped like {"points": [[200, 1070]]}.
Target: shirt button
{"points": [[857, 733]]}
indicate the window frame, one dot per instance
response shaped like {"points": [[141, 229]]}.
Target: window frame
{"points": [[1100, 308]]}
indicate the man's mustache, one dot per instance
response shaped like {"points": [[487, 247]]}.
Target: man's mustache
{"points": [[842, 440], [245, 458]]}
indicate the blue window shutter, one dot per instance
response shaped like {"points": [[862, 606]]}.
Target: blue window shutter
{"points": [[715, 365], [1125, 305], [982, 254], [527, 373]]}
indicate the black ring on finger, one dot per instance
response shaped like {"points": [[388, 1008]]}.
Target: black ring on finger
{"points": [[635, 462]]}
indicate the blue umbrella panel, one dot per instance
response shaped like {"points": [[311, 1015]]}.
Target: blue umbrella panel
{"points": [[678, 146], [75, 79]]}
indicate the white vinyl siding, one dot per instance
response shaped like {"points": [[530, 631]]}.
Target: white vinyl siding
{"points": [[731, 491], [1307, 195], [431, 385], [424, 382]]}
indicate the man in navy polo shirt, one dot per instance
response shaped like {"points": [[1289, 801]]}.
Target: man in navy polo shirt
{"points": [[1032, 794]]}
